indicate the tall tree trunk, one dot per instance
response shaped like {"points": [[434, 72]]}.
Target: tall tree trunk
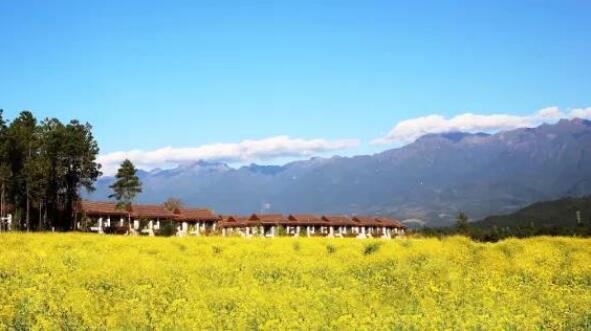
{"points": [[40, 227], [45, 215], [75, 220], [2, 208], [28, 213], [69, 209]]}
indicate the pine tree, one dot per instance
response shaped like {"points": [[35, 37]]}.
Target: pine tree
{"points": [[462, 225], [21, 142], [126, 186], [5, 171], [77, 164], [37, 179]]}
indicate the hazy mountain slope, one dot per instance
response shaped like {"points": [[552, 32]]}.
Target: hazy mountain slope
{"points": [[559, 213], [432, 178]]}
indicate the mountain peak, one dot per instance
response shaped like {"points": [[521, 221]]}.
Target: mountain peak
{"points": [[264, 169], [453, 136], [200, 164], [575, 121]]}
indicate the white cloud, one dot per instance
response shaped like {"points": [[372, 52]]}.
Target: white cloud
{"points": [[277, 148], [409, 130], [245, 151], [584, 113]]}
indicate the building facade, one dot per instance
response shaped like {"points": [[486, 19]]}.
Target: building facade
{"points": [[105, 217], [307, 225]]}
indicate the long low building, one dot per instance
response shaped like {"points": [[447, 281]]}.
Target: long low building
{"points": [[104, 217], [100, 216], [270, 225]]}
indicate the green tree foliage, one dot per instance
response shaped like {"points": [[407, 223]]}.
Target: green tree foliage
{"points": [[35, 181], [171, 204], [126, 186], [78, 163], [22, 141], [562, 217], [5, 176], [43, 167], [5, 171], [462, 223]]}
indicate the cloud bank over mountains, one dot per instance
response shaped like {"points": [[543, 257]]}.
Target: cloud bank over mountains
{"points": [[409, 130], [244, 151], [279, 147]]}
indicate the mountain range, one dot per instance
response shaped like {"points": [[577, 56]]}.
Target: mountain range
{"points": [[428, 181]]}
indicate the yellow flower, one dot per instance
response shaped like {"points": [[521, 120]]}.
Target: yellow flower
{"points": [[77, 281]]}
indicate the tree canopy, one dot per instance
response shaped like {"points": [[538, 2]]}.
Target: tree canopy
{"points": [[172, 204], [462, 223], [43, 166], [126, 186]]}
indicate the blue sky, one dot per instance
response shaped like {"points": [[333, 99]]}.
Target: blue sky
{"points": [[150, 75]]}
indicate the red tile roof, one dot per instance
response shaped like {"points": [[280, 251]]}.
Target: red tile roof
{"points": [[337, 220], [267, 219], [308, 219], [366, 221], [195, 214], [233, 221], [391, 222], [106, 208], [151, 211], [101, 208]]}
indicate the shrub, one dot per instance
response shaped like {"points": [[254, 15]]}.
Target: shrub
{"points": [[116, 229], [167, 229], [371, 248], [217, 249], [331, 249]]}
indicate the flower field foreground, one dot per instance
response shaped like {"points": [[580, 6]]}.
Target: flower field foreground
{"points": [[77, 281]]}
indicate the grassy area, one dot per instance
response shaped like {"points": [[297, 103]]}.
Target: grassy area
{"points": [[76, 281]]}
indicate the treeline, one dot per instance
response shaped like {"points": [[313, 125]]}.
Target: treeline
{"points": [[493, 233], [43, 166]]}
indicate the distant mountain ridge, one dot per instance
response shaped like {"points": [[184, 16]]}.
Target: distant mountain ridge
{"points": [[431, 179], [565, 212]]}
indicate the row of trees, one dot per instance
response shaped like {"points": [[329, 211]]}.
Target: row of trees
{"points": [[495, 233], [43, 167]]}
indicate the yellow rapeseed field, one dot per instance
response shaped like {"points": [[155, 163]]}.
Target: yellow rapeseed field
{"points": [[76, 281]]}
